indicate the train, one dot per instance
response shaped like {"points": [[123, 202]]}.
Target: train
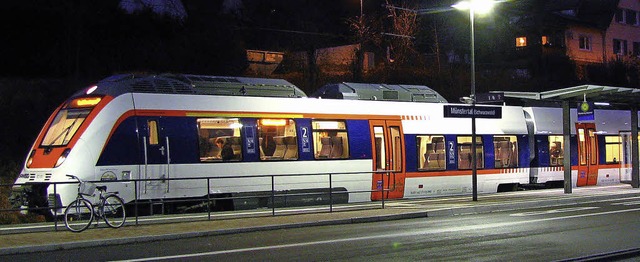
{"points": [[168, 130]]}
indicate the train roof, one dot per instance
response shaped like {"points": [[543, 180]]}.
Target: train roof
{"points": [[198, 85], [385, 92]]}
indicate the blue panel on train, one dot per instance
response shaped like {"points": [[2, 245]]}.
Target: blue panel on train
{"points": [[542, 157], [489, 152], [183, 143], [250, 144], [359, 139], [452, 156], [411, 153], [602, 157], [523, 147], [305, 144], [122, 147], [574, 150]]}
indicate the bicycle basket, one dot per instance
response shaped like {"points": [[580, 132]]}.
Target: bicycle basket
{"points": [[87, 188]]}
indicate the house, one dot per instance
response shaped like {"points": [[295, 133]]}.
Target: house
{"points": [[588, 32]]}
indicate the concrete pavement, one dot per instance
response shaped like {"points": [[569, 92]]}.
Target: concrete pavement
{"points": [[14, 243]]}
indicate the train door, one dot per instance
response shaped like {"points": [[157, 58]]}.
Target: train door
{"points": [[625, 157], [388, 155], [156, 158], [587, 154]]}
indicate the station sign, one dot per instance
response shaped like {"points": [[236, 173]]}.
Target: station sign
{"points": [[483, 98], [585, 111], [464, 111]]}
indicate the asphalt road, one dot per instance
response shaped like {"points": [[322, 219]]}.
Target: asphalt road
{"points": [[541, 234]]}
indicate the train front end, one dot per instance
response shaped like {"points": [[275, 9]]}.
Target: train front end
{"points": [[59, 150]]}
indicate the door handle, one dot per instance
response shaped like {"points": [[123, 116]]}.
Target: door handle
{"points": [[162, 150]]}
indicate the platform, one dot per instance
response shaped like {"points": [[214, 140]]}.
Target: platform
{"points": [[13, 243]]}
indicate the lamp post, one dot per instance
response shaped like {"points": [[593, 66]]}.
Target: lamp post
{"points": [[480, 7]]}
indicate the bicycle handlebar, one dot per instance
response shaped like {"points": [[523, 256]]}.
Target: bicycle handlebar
{"points": [[74, 177]]}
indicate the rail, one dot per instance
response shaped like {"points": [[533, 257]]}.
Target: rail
{"points": [[208, 197]]}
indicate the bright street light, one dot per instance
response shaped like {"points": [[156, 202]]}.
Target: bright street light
{"points": [[480, 7]]}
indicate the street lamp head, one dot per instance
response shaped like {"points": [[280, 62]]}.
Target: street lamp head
{"points": [[476, 6]]}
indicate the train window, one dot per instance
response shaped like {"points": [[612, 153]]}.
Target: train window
{"points": [[612, 148], [219, 139], [152, 125], [278, 139], [380, 151], [505, 151], [556, 150], [464, 153], [582, 143], [330, 139], [593, 147], [64, 126], [431, 153]]}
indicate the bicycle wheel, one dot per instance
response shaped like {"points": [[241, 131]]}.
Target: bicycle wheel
{"points": [[78, 215], [113, 211]]}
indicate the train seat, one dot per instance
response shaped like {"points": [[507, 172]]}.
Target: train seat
{"points": [[281, 148], [292, 147], [336, 147], [432, 161], [464, 160], [325, 150], [504, 153]]}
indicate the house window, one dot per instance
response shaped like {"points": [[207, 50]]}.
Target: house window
{"points": [[620, 16], [619, 47], [544, 40], [521, 41], [585, 42], [630, 17], [636, 48]]}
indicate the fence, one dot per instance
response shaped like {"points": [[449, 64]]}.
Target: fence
{"points": [[275, 198]]}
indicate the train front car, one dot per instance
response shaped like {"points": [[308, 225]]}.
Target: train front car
{"points": [[69, 143]]}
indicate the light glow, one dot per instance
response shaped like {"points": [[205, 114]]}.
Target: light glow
{"points": [[91, 89], [85, 102], [476, 6], [273, 122]]}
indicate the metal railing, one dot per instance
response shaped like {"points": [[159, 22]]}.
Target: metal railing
{"points": [[279, 191]]}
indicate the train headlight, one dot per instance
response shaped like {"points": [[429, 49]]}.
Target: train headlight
{"points": [[62, 157], [30, 159]]}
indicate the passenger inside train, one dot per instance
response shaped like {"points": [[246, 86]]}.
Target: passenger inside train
{"points": [[226, 152]]}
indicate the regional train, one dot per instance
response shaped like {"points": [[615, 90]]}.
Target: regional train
{"points": [[168, 130]]}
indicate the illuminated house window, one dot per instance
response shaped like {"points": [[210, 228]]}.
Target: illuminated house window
{"points": [[544, 40], [585, 42], [521, 41]]}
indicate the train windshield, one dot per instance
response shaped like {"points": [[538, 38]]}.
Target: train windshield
{"points": [[64, 126]]}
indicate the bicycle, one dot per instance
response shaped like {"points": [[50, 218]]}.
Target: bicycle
{"points": [[80, 213]]}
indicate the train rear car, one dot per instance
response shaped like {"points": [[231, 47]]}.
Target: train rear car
{"points": [[597, 147]]}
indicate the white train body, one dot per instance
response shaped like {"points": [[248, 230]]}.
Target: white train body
{"points": [[149, 145]]}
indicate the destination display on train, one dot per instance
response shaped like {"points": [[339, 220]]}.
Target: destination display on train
{"points": [[462, 111]]}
